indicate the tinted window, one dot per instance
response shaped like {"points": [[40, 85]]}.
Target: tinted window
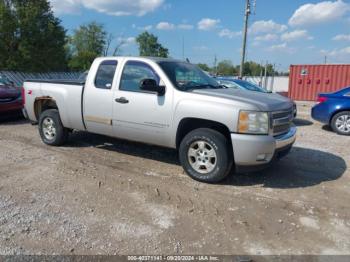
{"points": [[249, 86], [4, 80], [133, 73], [105, 74], [229, 84]]}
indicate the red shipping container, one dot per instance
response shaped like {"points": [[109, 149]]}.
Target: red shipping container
{"points": [[307, 81]]}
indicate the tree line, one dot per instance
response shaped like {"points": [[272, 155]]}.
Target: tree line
{"points": [[226, 68], [32, 39]]}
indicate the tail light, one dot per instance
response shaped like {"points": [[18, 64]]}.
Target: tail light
{"points": [[23, 91], [322, 99]]}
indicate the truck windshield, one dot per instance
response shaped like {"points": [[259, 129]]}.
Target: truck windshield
{"points": [[187, 77]]}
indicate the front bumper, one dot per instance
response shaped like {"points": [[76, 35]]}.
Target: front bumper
{"points": [[258, 151]]}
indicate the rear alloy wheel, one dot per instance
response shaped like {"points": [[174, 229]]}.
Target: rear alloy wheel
{"points": [[205, 155], [341, 123], [51, 129]]}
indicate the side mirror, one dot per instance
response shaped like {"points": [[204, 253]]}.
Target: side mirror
{"points": [[12, 83], [151, 85]]}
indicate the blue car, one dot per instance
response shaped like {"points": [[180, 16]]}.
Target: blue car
{"points": [[240, 84], [334, 109]]}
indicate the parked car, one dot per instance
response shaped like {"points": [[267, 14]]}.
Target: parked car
{"points": [[334, 109], [240, 84], [168, 103], [245, 85], [10, 97]]}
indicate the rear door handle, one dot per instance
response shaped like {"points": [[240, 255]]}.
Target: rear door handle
{"points": [[122, 100]]}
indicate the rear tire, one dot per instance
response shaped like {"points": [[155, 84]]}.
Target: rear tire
{"points": [[51, 129], [341, 123], [205, 155]]}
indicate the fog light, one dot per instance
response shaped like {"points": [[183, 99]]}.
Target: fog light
{"points": [[261, 157]]}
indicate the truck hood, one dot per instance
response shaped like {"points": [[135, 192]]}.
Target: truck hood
{"points": [[263, 101]]}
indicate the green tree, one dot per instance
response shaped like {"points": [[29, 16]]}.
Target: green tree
{"points": [[87, 43], [32, 38], [226, 68], [254, 69], [9, 41], [204, 67], [149, 46]]}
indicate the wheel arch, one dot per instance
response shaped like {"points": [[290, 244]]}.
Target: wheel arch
{"points": [[187, 125], [42, 104]]}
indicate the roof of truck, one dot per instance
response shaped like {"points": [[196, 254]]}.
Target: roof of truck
{"points": [[155, 59]]}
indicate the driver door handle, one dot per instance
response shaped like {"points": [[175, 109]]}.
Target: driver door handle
{"points": [[122, 100]]}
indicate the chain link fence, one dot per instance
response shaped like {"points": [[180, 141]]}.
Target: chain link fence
{"points": [[18, 77]]}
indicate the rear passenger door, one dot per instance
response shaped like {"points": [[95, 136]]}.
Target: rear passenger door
{"points": [[140, 115], [98, 98]]}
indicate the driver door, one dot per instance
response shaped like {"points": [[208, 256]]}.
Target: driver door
{"points": [[140, 115]]}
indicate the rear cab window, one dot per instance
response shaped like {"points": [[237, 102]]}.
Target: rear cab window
{"points": [[105, 74], [133, 73]]}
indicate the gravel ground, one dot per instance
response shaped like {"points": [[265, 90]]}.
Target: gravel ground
{"points": [[99, 195]]}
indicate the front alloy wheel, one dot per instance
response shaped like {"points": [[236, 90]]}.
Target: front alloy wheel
{"points": [[202, 157], [206, 155]]}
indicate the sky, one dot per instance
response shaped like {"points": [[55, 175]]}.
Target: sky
{"points": [[282, 32]]}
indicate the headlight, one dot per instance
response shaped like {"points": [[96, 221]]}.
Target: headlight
{"points": [[252, 122]]}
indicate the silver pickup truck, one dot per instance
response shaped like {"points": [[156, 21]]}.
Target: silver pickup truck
{"points": [[168, 103]]}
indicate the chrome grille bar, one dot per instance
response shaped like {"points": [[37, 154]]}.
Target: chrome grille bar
{"points": [[281, 121]]}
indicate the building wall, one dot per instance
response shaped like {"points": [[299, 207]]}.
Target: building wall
{"points": [[278, 84]]}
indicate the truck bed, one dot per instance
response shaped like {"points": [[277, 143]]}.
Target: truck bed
{"points": [[66, 93]]}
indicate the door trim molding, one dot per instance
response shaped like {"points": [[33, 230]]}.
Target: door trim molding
{"points": [[99, 120]]}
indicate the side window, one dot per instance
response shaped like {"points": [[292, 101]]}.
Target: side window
{"points": [[134, 72], [105, 74]]}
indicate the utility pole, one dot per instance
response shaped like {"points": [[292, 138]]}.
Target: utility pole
{"points": [[261, 74], [273, 78], [216, 65], [325, 60], [183, 48], [265, 75], [245, 32]]}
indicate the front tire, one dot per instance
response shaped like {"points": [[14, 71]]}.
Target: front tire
{"points": [[341, 123], [205, 155], [51, 129]]}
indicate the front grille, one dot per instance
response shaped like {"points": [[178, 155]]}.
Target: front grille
{"points": [[282, 122]]}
